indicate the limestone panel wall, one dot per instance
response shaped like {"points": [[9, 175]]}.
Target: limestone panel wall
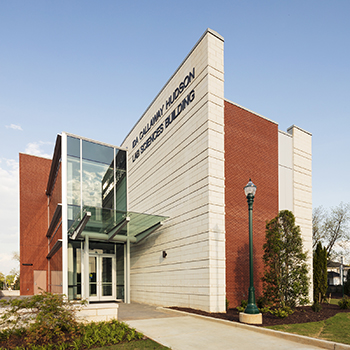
{"points": [[176, 169], [285, 171], [302, 189]]}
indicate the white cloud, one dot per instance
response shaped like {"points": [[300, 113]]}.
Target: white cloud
{"points": [[9, 205], [8, 213], [12, 164], [7, 263], [14, 127], [35, 149]]}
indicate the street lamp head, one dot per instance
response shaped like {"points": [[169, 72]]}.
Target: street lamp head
{"points": [[250, 188]]}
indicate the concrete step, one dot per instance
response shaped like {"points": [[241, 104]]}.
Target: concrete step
{"points": [[98, 312]]}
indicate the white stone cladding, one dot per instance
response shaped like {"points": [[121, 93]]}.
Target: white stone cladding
{"points": [[181, 175], [302, 190], [295, 184], [285, 171]]}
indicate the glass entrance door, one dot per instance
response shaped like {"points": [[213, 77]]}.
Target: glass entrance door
{"points": [[102, 277], [107, 277]]}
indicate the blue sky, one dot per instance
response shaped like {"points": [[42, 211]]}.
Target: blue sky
{"points": [[92, 68]]}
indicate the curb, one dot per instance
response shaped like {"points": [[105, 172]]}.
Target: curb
{"points": [[325, 344]]}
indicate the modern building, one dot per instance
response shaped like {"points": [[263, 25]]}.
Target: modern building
{"points": [[163, 219]]}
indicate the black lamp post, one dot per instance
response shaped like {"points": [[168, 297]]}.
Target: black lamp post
{"points": [[249, 191]]}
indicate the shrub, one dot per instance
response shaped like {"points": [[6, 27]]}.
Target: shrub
{"points": [[85, 336], [264, 310], [344, 303], [44, 317], [282, 312], [244, 304], [261, 302], [47, 321], [46, 309], [316, 307]]}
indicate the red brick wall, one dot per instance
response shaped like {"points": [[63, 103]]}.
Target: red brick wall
{"points": [[251, 151], [33, 175]]}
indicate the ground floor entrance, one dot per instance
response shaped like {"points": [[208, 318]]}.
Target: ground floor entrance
{"points": [[102, 276], [96, 250], [96, 271]]}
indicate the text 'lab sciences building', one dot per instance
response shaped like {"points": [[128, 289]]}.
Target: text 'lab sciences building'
{"points": [[163, 218]]}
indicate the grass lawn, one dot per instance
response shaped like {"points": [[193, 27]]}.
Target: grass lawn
{"points": [[336, 328], [146, 344], [334, 301]]}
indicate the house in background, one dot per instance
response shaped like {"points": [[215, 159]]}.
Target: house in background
{"points": [[333, 273]]}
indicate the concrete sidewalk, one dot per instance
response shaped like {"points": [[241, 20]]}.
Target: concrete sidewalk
{"points": [[182, 331]]}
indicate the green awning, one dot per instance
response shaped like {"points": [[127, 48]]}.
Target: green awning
{"points": [[113, 225]]}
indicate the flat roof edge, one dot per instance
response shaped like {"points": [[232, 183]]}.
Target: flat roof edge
{"points": [[208, 30], [299, 128], [34, 155], [213, 32], [285, 133], [94, 141], [248, 110]]}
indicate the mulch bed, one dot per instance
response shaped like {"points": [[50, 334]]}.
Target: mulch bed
{"points": [[301, 314]]}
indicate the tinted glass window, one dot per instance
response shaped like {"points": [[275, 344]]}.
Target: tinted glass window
{"points": [[73, 146], [93, 174], [97, 153], [73, 181], [101, 248], [120, 159]]}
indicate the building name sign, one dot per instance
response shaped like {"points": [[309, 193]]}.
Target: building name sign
{"points": [[152, 136]]}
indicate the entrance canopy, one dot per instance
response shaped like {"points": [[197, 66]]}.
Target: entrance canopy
{"points": [[113, 225]]}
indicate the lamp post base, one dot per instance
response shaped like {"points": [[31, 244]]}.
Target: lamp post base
{"points": [[250, 318]]}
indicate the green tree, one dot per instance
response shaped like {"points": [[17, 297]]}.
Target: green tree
{"points": [[285, 281], [320, 272], [10, 280], [2, 280]]}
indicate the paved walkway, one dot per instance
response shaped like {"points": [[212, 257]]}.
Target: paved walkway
{"points": [[181, 331]]}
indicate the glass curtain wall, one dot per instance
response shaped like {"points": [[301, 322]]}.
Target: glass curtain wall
{"points": [[96, 178], [74, 270], [55, 263]]}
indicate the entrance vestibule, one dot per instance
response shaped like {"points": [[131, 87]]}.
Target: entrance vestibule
{"points": [[102, 276], [96, 271]]}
